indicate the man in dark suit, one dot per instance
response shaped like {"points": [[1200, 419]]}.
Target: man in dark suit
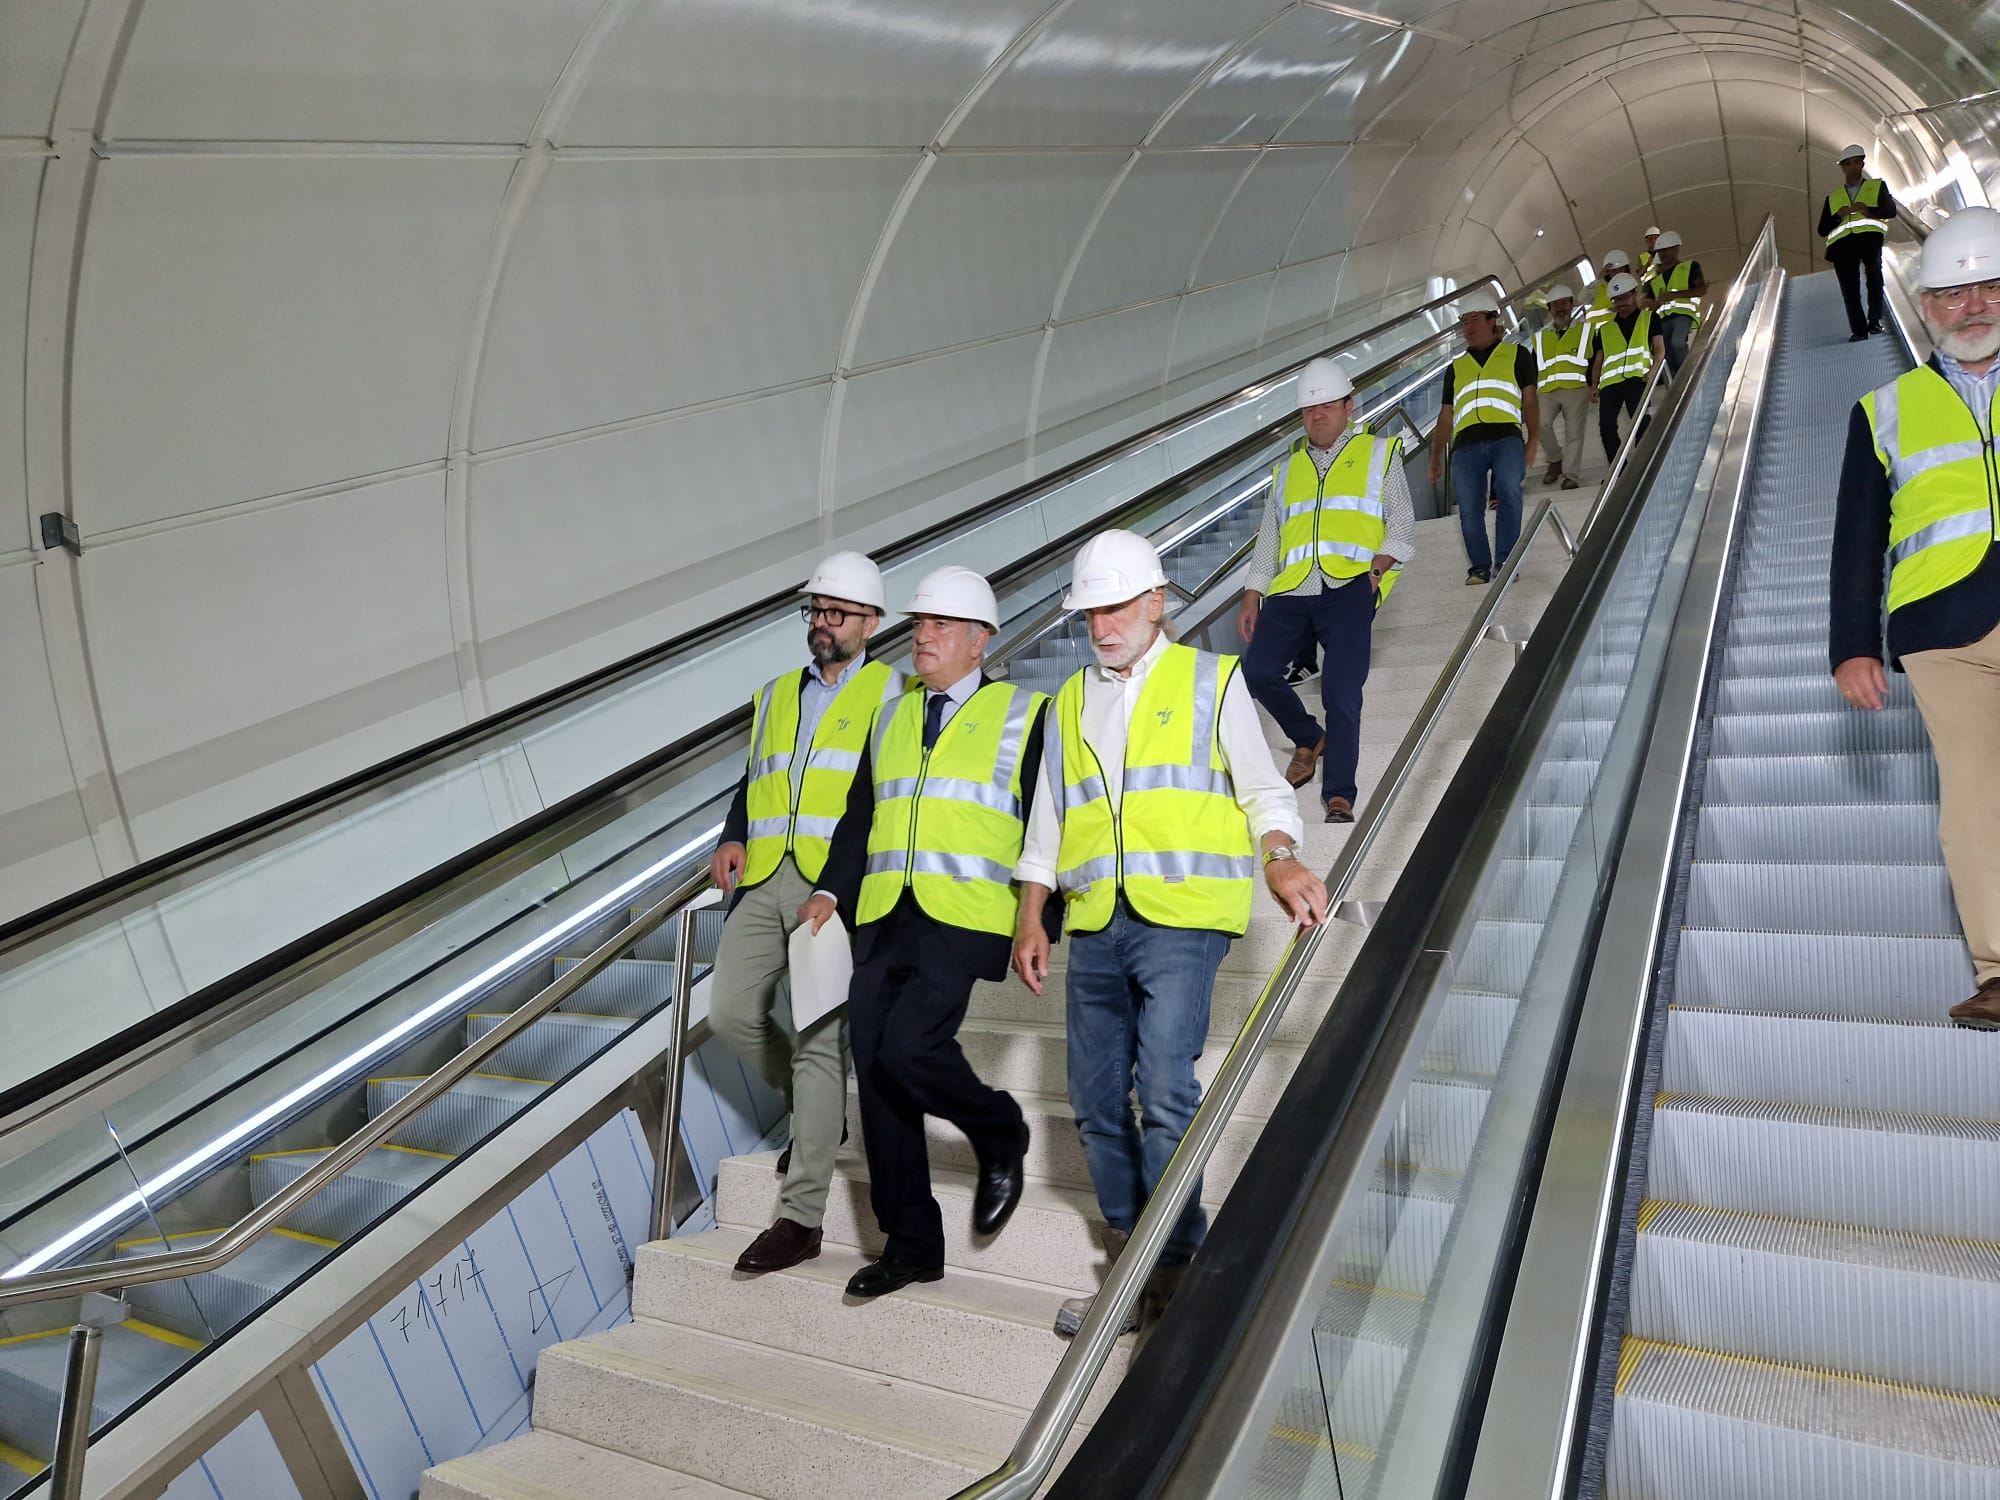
{"points": [[922, 861]]}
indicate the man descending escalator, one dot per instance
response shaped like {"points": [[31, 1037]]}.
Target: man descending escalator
{"points": [[1920, 483], [1628, 347], [1490, 423], [1854, 220], [1157, 795], [1676, 287], [806, 737], [923, 860], [1562, 374], [1338, 512]]}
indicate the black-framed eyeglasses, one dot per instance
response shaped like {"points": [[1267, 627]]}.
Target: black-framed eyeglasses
{"points": [[814, 614]]}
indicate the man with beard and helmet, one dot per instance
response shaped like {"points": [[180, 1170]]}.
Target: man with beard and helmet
{"points": [[1919, 484], [808, 731], [1157, 794]]}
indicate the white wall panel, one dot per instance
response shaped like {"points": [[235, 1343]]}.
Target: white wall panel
{"points": [[1102, 72], [361, 70], [1257, 228], [1105, 363], [1304, 296], [322, 641], [934, 425], [1152, 229], [981, 250], [1220, 322], [20, 189], [42, 826], [1674, 169], [640, 285], [252, 326], [556, 598], [1674, 117], [1329, 223], [34, 43], [791, 72], [1262, 85]]}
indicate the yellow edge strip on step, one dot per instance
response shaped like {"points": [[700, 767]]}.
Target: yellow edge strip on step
{"points": [[495, 1077], [1380, 1291], [163, 1335], [574, 1015], [1649, 1211], [194, 1234], [300, 1151], [307, 1239], [420, 1151], [1642, 1347], [27, 1463], [26, 1338], [1318, 1440], [159, 1239], [1651, 1206]]}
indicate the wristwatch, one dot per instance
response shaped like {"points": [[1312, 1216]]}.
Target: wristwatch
{"points": [[1282, 851]]}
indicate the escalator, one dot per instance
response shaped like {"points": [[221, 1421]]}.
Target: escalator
{"points": [[1706, 1210], [153, 1138]]}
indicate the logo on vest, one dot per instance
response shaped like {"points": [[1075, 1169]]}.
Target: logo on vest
{"points": [[844, 723], [1164, 715]]}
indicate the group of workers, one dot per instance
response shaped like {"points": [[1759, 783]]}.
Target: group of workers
{"points": [[959, 825]]}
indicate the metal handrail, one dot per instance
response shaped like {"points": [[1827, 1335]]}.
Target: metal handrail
{"points": [[170, 1265], [1624, 454], [1048, 1425]]}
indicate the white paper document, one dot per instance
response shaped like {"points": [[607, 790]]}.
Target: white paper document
{"points": [[821, 969]]}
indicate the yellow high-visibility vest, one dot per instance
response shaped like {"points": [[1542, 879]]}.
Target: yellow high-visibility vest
{"points": [[1562, 360], [1945, 509], [1338, 522], [1626, 360], [781, 824], [1671, 296], [948, 824], [1485, 390], [1868, 195], [1179, 843]]}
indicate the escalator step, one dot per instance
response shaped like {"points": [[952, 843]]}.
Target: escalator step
{"points": [[1892, 833], [1786, 1290], [372, 1187], [216, 1301], [552, 1047], [1822, 973], [1895, 900], [1842, 731], [468, 1113], [1781, 779], [627, 987], [135, 1356]]}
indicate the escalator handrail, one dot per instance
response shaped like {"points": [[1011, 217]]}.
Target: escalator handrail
{"points": [[1316, 1142], [134, 883], [387, 912]]}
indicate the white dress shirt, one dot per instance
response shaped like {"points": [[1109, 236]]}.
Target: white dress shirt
{"points": [[1108, 701]]}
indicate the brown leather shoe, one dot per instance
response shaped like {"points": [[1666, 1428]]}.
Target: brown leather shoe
{"points": [[1339, 810], [1304, 762], [781, 1246], [1982, 1011], [1552, 473]]}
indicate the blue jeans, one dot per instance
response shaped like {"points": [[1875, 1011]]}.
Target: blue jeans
{"points": [[1506, 459], [1138, 1013], [1342, 620]]}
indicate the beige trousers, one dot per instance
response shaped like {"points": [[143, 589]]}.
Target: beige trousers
{"points": [[1958, 692], [1573, 410], [750, 1008]]}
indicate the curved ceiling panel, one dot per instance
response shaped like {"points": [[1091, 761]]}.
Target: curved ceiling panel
{"points": [[513, 286]]}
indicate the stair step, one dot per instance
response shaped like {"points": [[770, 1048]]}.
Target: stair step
{"points": [[784, 1426], [1873, 1170], [1033, 1057], [1791, 1291], [468, 1113], [972, 1334], [369, 1189], [1692, 1422], [549, 1466], [216, 1301]]}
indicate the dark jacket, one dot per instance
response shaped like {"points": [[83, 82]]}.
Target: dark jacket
{"points": [[1952, 617], [986, 954], [1855, 245]]}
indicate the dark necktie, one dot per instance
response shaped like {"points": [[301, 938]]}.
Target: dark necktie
{"points": [[934, 717]]}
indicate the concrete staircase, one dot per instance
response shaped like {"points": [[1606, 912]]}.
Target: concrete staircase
{"points": [[778, 1386]]}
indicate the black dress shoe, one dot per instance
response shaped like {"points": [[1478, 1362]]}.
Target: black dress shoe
{"points": [[999, 1189], [784, 1245], [1876, 326], [1857, 338], [879, 1278]]}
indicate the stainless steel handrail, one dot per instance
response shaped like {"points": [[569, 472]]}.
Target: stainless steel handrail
{"points": [[169, 1265], [1049, 1424]]}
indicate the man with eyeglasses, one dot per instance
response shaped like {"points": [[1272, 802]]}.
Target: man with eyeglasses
{"points": [[808, 732], [1920, 483]]}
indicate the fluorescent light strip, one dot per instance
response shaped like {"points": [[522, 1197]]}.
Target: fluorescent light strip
{"points": [[207, 1153]]}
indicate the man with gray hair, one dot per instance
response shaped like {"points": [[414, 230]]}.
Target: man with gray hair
{"points": [[1918, 484]]}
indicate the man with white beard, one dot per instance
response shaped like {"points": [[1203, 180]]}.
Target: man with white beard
{"points": [[1920, 483], [1157, 795]]}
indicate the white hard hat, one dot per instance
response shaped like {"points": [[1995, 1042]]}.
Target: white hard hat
{"points": [[1478, 302], [1963, 249], [1652, 229], [1621, 284], [1319, 382], [851, 576], [1668, 240], [956, 594], [1561, 294], [1112, 568], [1848, 153], [1617, 258]]}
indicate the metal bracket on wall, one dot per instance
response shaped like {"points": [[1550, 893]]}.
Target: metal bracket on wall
{"points": [[58, 530]]}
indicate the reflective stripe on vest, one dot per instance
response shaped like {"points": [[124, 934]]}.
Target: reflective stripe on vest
{"points": [[948, 824], [1599, 312], [1482, 393], [1562, 359], [1337, 523], [1684, 305], [1179, 843], [1945, 509], [1623, 360], [801, 825], [1870, 196]]}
